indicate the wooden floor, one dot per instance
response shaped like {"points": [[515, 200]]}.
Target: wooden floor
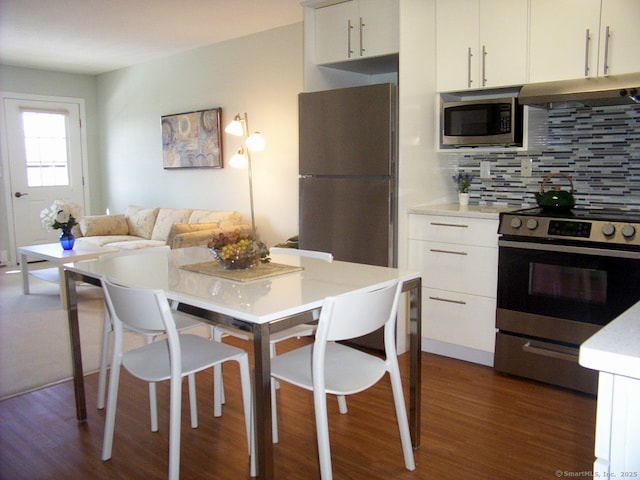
{"points": [[476, 424]]}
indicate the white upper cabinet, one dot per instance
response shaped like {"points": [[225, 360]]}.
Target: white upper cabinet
{"points": [[583, 38], [481, 44], [355, 30]]}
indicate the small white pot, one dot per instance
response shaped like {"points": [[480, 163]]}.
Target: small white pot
{"points": [[463, 198]]}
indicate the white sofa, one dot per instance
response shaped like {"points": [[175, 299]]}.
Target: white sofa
{"points": [[142, 227]]}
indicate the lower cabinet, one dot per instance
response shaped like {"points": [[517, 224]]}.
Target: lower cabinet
{"points": [[458, 259], [617, 446]]}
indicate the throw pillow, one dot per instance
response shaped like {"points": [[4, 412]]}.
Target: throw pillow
{"points": [[94, 225], [141, 221]]}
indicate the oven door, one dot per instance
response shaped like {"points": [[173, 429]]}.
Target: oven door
{"points": [[582, 284]]}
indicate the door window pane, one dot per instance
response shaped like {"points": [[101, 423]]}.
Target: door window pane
{"points": [[45, 141]]}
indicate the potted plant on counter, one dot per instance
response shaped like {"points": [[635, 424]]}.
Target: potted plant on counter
{"points": [[463, 183]]}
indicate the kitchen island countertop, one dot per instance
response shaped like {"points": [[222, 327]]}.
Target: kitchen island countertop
{"points": [[616, 347]]}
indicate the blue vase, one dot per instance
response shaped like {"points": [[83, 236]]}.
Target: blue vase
{"points": [[67, 239]]}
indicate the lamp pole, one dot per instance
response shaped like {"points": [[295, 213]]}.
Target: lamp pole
{"points": [[246, 136]]}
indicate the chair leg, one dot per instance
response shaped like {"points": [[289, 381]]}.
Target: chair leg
{"points": [[110, 417], [401, 413], [342, 404], [322, 431], [104, 358], [153, 400], [247, 400], [174, 427], [218, 384], [193, 400], [274, 412]]}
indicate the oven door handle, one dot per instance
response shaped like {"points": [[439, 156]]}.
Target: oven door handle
{"points": [[562, 353], [547, 247]]}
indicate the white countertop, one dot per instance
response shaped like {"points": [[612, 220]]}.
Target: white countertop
{"points": [[455, 210], [616, 347]]}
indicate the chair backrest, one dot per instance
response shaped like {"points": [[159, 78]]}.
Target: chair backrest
{"points": [[327, 257], [352, 315], [142, 310]]}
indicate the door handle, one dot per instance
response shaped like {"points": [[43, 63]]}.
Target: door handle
{"points": [[18, 194]]}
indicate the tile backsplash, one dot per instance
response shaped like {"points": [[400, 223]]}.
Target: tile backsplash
{"points": [[598, 147]]}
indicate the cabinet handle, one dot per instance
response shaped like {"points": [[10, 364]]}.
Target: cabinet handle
{"points": [[459, 225], [451, 252], [439, 299], [606, 51], [362, 25], [349, 28], [484, 63], [469, 55], [586, 54]]}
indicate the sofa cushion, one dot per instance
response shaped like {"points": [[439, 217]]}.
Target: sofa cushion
{"points": [[105, 240], [141, 221], [135, 244], [93, 225], [224, 218], [181, 228], [165, 220]]}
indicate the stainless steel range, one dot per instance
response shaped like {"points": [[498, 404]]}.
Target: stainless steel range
{"points": [[562, 277]]}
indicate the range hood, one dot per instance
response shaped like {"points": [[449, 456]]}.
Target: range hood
{"points": [[595, 91]]}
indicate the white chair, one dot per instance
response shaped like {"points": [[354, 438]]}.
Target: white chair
{"points": [[183, 321], [302, 330], [147, 311], [329, 367]]}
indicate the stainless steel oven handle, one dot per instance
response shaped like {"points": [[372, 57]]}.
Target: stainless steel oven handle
{"points": [[441, 224], [547, 247], [546, 352]]}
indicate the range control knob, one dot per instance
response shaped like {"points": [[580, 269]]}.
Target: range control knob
{"points": [[532, 224], [608, 230], [628, 231], [516, 223]]}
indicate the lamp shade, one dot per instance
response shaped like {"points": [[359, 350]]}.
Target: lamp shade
{"points": [[256, 142], [235, 127], [239, 160]]}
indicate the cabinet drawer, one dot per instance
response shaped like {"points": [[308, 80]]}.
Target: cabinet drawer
{"points": [[460, 319], [460, 268], [462, 230]]}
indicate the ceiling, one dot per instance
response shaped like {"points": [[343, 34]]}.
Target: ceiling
{"points": [[97, 36]]}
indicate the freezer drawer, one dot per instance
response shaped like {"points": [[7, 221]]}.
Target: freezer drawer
{"points": [[348, 217]]}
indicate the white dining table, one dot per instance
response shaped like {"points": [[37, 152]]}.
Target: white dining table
{"points": [[261, 306]]}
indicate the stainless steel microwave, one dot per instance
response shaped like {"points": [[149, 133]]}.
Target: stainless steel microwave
{"points": [[485, 122]]}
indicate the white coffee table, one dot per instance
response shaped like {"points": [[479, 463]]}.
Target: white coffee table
{"points": [[54, 253]]}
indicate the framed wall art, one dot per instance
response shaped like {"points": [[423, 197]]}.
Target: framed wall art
{"points": [[192, 139]]}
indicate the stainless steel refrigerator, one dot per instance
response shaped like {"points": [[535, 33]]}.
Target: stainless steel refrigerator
{"points": [[348, 171]]}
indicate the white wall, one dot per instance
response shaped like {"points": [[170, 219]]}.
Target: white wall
{"points": [[262, 75]]}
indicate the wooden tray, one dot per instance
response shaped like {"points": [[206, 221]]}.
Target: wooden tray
{"points": [[260, 271]]}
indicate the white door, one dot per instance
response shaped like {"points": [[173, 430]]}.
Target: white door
{"points": [[45, 160]]}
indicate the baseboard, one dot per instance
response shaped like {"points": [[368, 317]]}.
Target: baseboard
{"points": [[457, 351]]}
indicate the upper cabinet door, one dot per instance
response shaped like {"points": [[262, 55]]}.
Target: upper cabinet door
{"points": [[457, 36], [336, 32], [503, 42], [481, 44], [564, 39], [380, 27], [619, 37], [356, 29]]}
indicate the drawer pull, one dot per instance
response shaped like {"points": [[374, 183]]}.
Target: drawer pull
{"points": [[459, 225], [451, 252], [558, 352], [439, 299]]}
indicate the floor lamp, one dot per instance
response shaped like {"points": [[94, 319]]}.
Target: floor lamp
{"points": [[242, 158]]}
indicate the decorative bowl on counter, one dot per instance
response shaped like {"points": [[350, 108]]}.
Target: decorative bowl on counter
{"points": [[235, 251]]}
